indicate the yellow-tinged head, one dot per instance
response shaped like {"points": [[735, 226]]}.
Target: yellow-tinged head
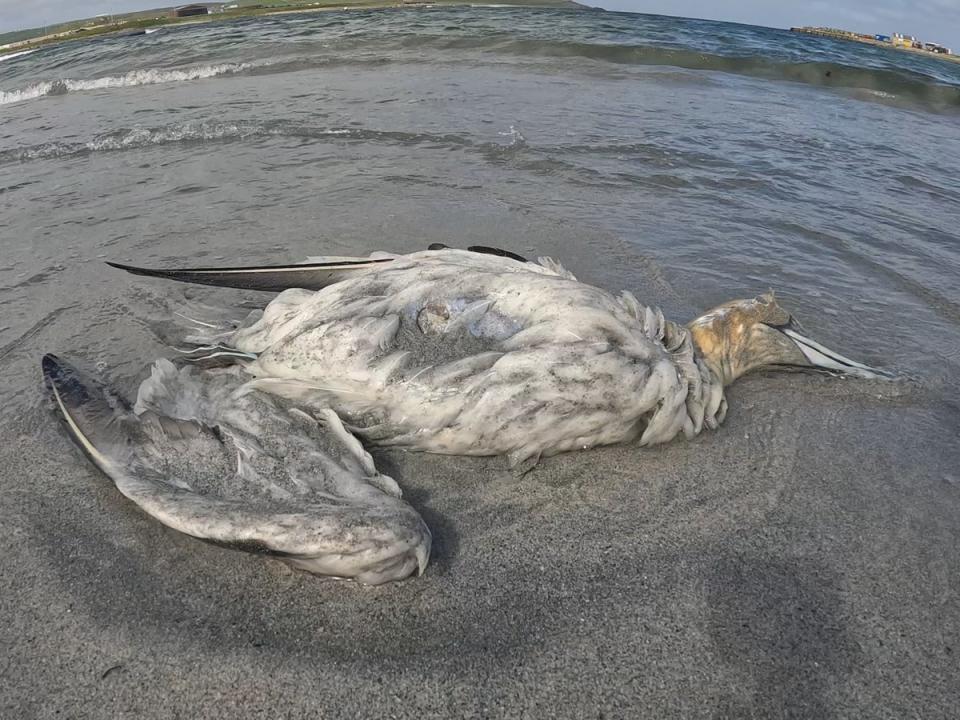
{"points": [[742, 335]]}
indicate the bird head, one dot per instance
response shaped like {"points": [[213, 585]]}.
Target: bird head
{"points": [[743, 335]]}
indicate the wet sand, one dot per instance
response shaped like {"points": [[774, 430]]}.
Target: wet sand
{"points": [[796, 563]]}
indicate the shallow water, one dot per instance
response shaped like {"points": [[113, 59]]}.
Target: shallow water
{"points": [[724, 155], [687, 161]]}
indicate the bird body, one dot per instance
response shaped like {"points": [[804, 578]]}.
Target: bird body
{"points": [[466, 353], [444, 351]]}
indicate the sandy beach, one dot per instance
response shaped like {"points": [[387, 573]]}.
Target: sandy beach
{"points": [[796, 563]]}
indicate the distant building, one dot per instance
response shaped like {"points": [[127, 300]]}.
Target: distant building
{"points": [[907, 41], [189, 11]]}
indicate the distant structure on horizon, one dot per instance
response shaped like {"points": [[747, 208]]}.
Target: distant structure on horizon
{"points": [[908, 41], [189, 11], [897, 40]]}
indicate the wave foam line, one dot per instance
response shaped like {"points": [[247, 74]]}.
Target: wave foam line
{"points": [[143, 137], [134, 78], [11, 56]]}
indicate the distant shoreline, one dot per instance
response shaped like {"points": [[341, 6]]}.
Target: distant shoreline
{"points": [[853, 37], [132, 25]]}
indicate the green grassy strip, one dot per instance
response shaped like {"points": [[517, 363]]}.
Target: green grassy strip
{"points": [[81, 30]]}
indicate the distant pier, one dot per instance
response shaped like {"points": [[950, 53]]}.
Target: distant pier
{"points": [[897, 41]]}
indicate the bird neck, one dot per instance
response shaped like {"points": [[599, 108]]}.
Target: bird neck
{"points": [[706, 404], [712, 348]]}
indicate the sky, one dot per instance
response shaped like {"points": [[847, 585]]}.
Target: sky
{"points": [[932, 20]]}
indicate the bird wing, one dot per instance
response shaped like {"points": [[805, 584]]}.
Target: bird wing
{"points": [[269, 278], [373, 537]]}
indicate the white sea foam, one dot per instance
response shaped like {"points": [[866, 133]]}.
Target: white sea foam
{"points": [[517, 140], [142, 137], [11, 56], [134, 78], [28, 93]]}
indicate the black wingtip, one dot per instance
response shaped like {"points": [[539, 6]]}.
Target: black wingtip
{"points": [[67, 382], [56, 372], [483, 250], [267, 278], [51, 367], [499, 252], [134, 270]]}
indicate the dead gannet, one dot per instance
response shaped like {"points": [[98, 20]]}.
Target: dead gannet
{"points": [[483, 353], [239, 469]]}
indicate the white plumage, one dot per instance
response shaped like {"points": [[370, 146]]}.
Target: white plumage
{"points": [[208, 458], [466, 353]]}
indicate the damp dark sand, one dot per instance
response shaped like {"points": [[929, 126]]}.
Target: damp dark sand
{"points": [[800, 561]]}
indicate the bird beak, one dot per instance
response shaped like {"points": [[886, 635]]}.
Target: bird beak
{"points": [[821, 357]]}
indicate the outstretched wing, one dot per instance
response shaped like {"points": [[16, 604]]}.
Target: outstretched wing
{"points": [[371, 541], [269, 278], [276, 278]]}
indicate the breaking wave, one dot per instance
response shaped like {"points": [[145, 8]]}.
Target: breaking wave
{"points": [[131, 79], [134, 138], [22, 53], [880, 83]]}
